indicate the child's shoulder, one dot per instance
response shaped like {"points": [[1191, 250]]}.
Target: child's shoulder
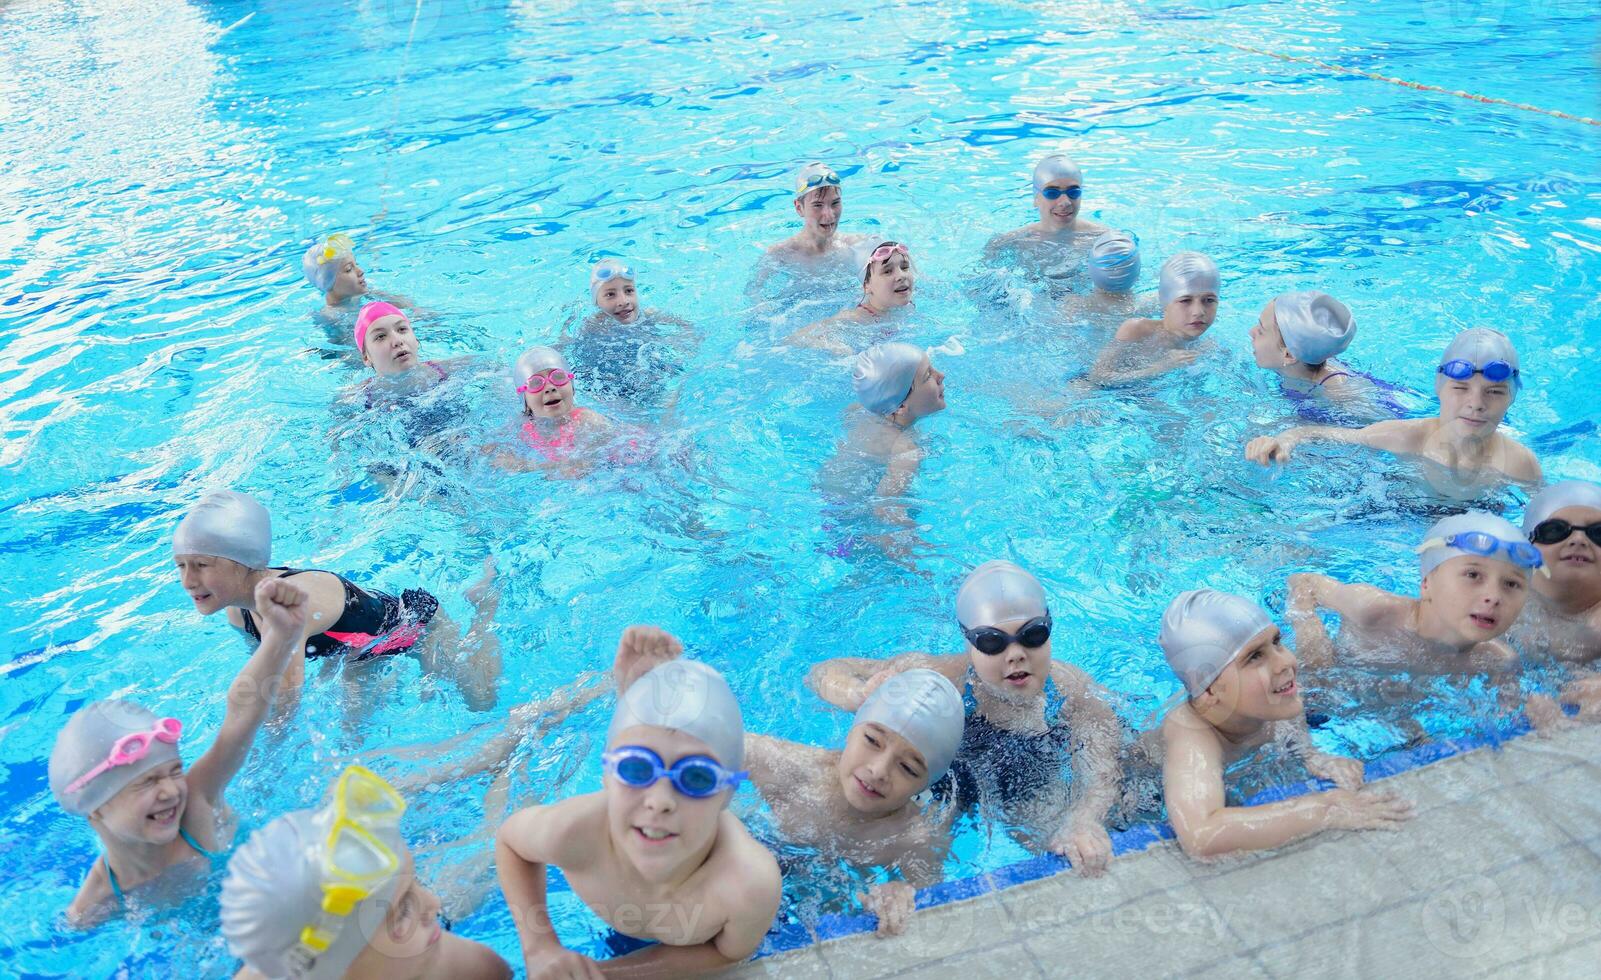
{"points": [[563, 832], [1136, 328], [751, 866]]}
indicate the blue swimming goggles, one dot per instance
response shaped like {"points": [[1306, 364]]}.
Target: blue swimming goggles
{"points": [[695, 776], [1520, 553], [1461, 370], [815, 181], [611, 270], [1052, 193]]}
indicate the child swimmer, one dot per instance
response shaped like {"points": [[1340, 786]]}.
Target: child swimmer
{"points": [[1563, 619], [1052, 245], [817, 247], [1030, 716], [117, 764], [333, 893], [329, 265], [1188, 291], [1114, 271], [619, 348], [1476, 381], [1242, 694], [655, 854], [553, 425], [888, 282], [222, 550]]}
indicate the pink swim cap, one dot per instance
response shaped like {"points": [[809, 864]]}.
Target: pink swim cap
{"points": [[369, 313]]}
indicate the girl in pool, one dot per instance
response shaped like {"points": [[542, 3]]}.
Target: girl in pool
{"points": [[1297, 336], [1029, 717], [1144, 348], [622, 348], [1462, 450], [330, 266], [388, 345], [333, 893], [118, 765], [222, 550], [887, 286], [554, 428]]}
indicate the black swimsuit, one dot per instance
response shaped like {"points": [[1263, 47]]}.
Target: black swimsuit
{"points": [[373, 623]]}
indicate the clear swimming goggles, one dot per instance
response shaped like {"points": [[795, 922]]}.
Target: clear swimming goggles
{"points": [[612, 270], [828, 177], [355, 863], [1458, 369], [334, 246], [1520, 553]]}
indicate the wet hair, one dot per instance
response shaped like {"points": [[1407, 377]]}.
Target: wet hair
{"points": [[867, 270]]}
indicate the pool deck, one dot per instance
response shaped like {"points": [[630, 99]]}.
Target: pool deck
{"points": [[1499, 874]]}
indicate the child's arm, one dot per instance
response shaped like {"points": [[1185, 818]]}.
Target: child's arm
{"points": [[819, 336], [1343, 772], [281, 611], [1097, 736], [1397, 436], [523, 846], [1110, 367], [845, 682], [904, 463], [1192, 782], [1361, 606]]}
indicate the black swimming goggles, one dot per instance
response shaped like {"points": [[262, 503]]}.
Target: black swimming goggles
{"points": [[992, 641], [1555, 531]]}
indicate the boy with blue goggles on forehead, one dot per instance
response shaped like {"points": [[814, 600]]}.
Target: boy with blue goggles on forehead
{"points": [[1476, 380], [655, 854]]}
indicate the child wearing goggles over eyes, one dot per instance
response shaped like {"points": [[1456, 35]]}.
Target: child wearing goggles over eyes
{"points": [[655, 854], [1476, 381], [555, 428], [1030, 718], [1476, 570], [118, 765], [1055, 246], [1562, 622]]}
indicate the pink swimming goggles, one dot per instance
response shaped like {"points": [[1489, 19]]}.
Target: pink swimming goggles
{"points": [[370, 313], [539, 382], [130, 749]]}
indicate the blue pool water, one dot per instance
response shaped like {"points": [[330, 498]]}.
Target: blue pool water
{"points": [[163, 165]]}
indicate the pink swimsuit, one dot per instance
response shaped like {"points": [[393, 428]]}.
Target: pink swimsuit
{"points": [[565, 437]]}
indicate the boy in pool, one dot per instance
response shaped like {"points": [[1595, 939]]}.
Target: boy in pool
{"points": [[330, 266], [1242, 694], [897, 384], [116, 764], [655, 854], [1476, 569], [1052, 245], [1563, 620], [222, 549], [817, 247], [1143, 348], [1029, 716], [887, 285], [554, 427], [619, 347], [1476, 381], [333, 893], [1114, 270]]}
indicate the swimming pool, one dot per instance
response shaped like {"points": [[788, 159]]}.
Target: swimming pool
{"points": [[158, 339]]}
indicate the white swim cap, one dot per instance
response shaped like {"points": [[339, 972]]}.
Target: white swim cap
{"points": [[1115, 261], [537, 359], [998, 592], [1481, 345], [274, 891], [86, 740], [1558, 496], [884, 375], [921, 706], [1432, 557], [814, 176], [321, 262], [1056, 167], [1186, 274], [228, 525], [1315, 326], [1203, 630], [605, 271], [690, 697]]}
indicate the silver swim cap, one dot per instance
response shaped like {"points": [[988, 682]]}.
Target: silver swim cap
{"points": [[1558, 496], [86, 740], [1203, 630], [1432, 557], [537, 359], [1315, 326], [1186, 274], [605, 271], [228, 525], [321, 262], [998, 592], [1115, 261], [921, 706], [884, 375], [690, 697], [274, 891], [1056, 167], [1481, 345]]}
